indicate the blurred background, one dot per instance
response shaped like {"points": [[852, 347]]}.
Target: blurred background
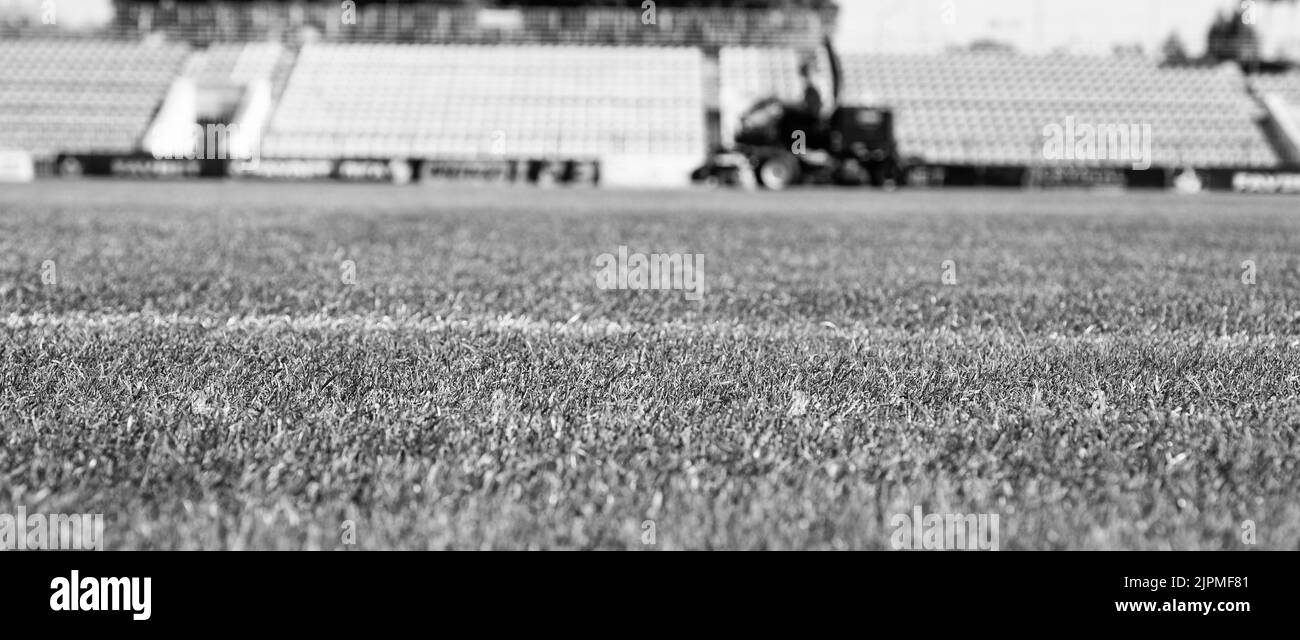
{"points": [[643, 93]]}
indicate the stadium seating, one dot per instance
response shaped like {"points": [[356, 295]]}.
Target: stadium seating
{"points": [[81, 96], [571, 102], [235, 62], [991, 108]]}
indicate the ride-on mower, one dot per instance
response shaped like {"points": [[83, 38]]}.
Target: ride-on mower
{"points": [[780, 144]]}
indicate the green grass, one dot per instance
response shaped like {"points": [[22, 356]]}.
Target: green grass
{"points": [[1099, 376]]}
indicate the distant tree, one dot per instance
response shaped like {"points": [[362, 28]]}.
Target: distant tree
{"points": [[1233, 37], [1174, 51]]}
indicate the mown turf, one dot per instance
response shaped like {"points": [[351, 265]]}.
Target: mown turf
{"points": [[1099, 376]]}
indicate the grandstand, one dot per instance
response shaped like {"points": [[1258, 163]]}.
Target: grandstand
{"points": [[562, 102], [82, 96]]}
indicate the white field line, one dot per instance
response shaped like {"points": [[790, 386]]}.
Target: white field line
{"points": [[593, 328]]}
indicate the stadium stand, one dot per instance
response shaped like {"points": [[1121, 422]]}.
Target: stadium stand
{"points": [[82, 96], [426, 101], [991, 108]]}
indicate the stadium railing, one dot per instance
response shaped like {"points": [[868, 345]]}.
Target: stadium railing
{"points": [[706, 27]]}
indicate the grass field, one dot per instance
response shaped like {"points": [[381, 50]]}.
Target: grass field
{"points": [[192, 364]]}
